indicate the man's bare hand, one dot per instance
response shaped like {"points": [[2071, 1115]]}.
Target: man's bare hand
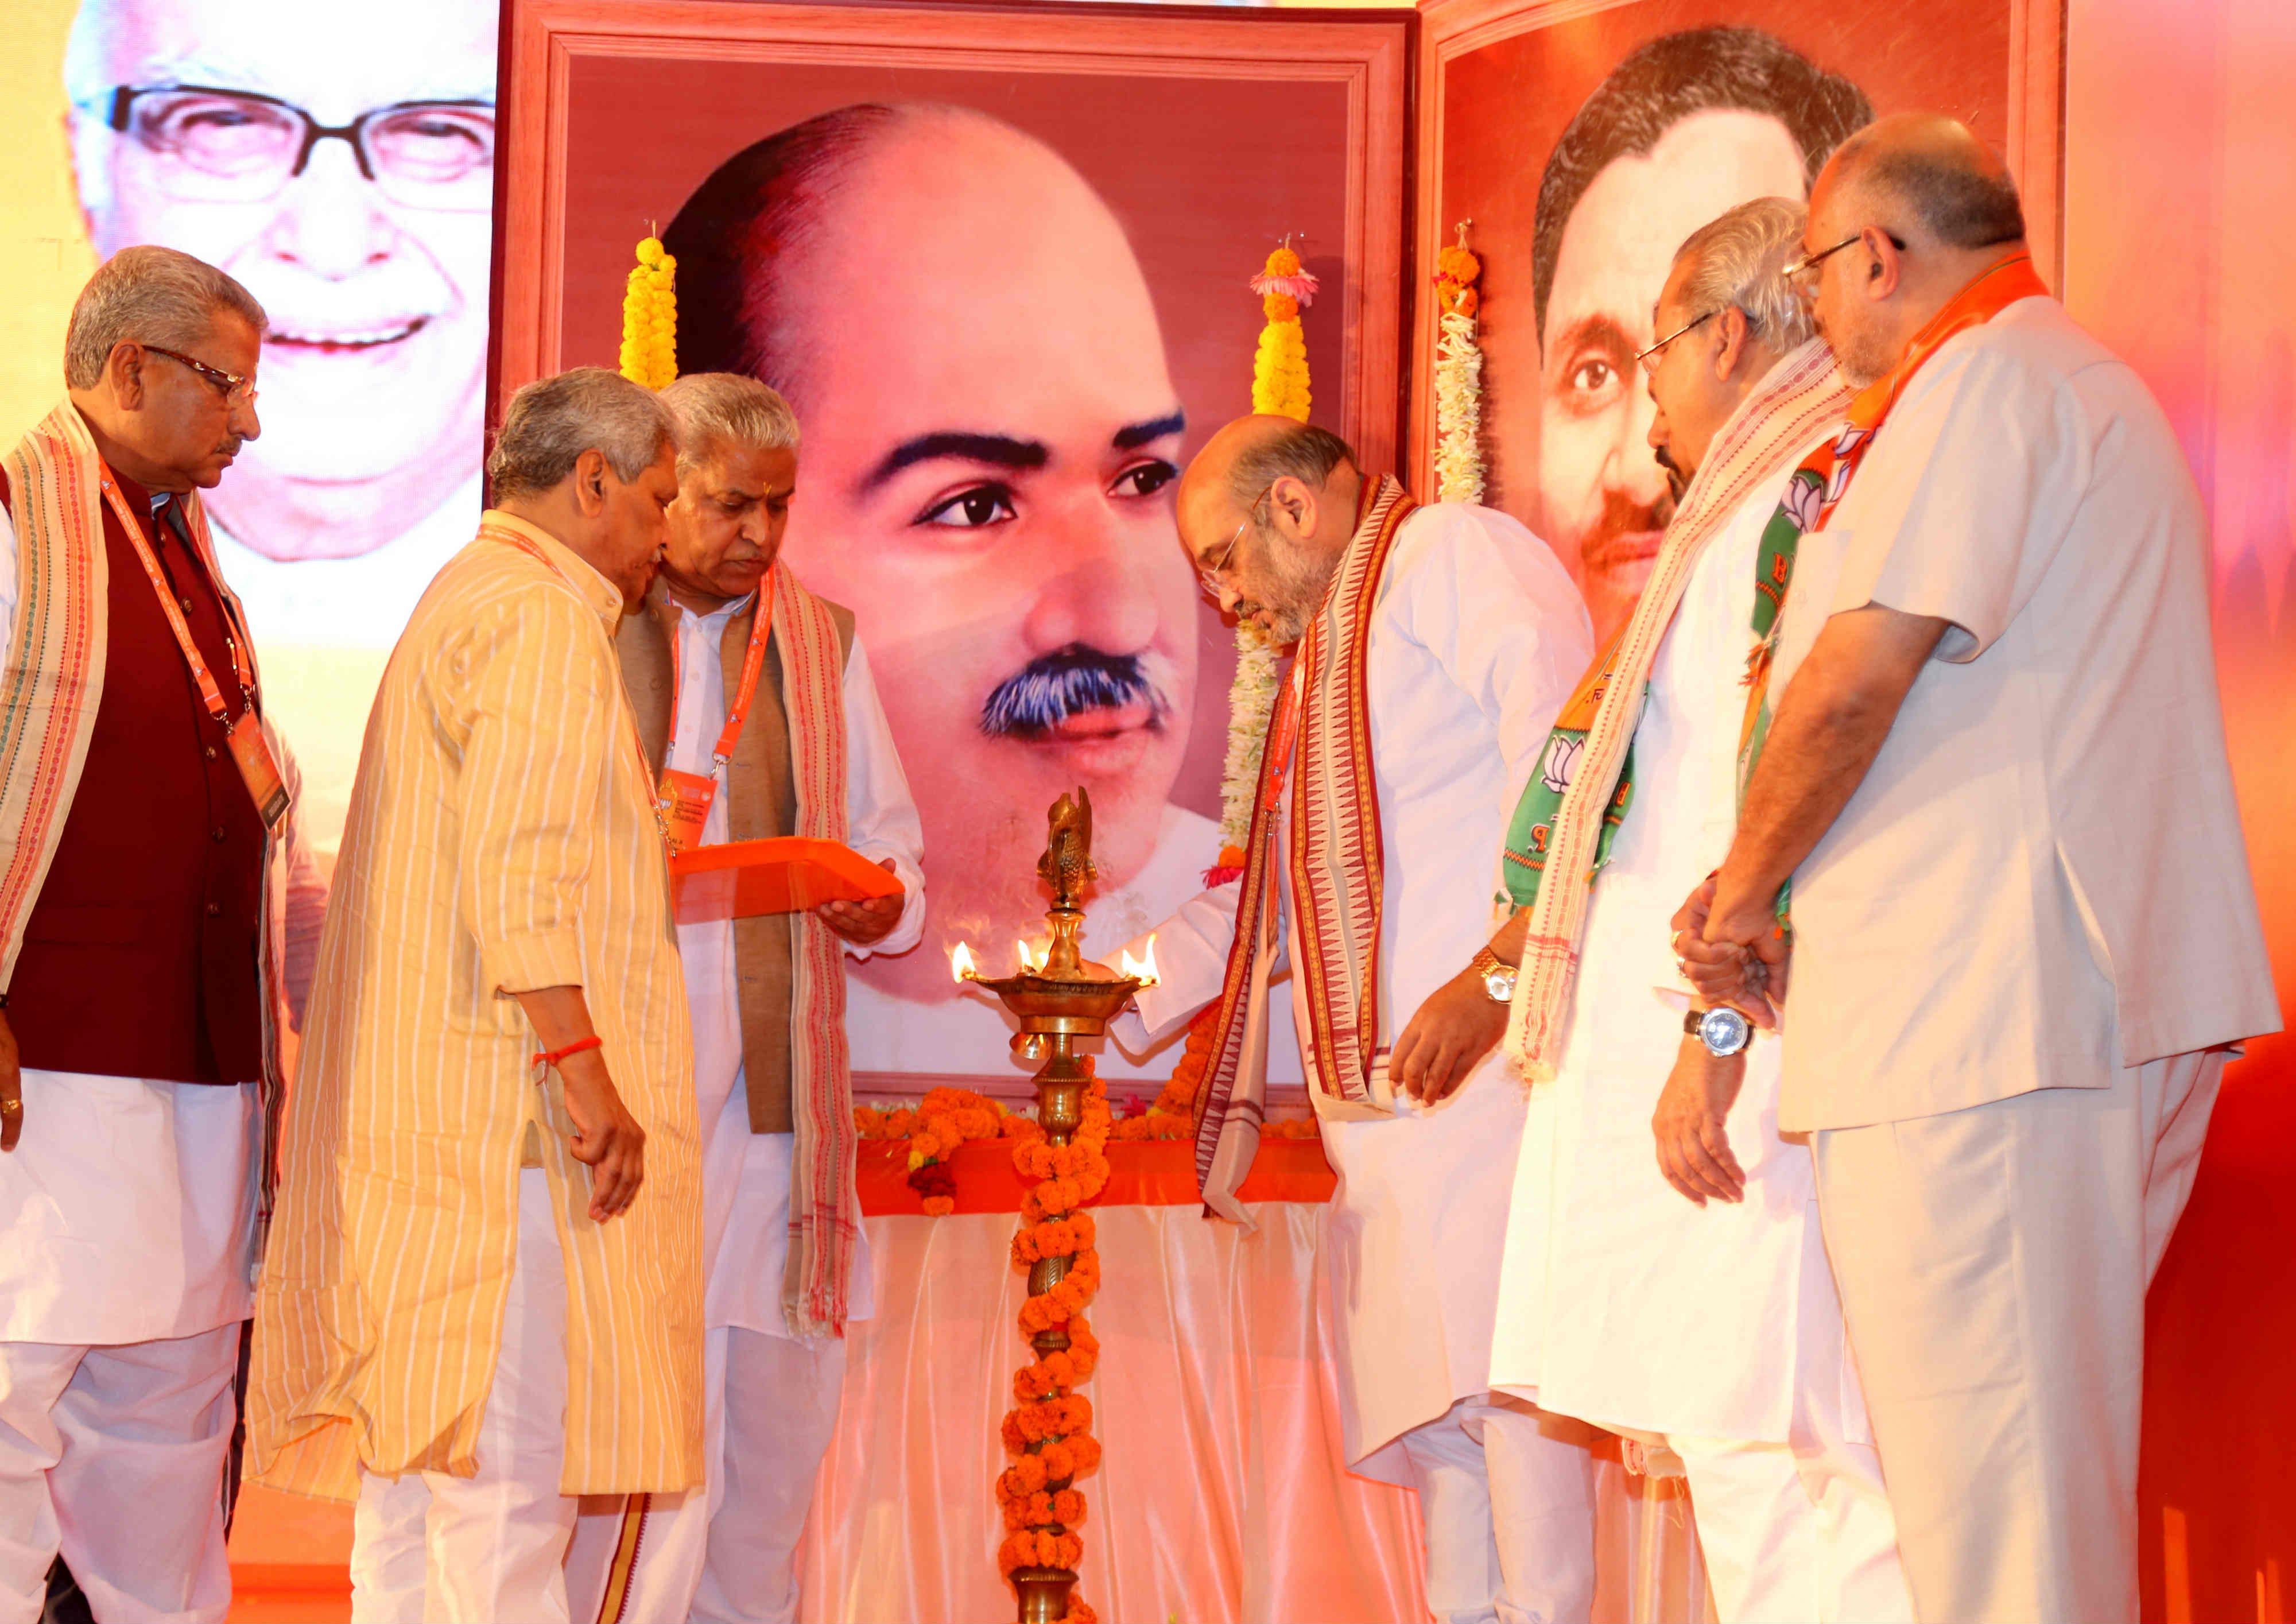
{"points": [[606, 1138], [868, 920], [1693, 1151], [1455, 1027], [1748, 975], [12, 1088]]}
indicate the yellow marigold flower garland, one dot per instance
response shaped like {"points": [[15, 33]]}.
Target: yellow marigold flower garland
{"points": [[649, 317], [1279, 370]]}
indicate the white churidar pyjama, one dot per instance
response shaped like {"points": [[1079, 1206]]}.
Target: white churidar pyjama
{"points": [[1800, 1532], [428, 1548], [1508, 1513], [1993, 1265], [124, 1216]]}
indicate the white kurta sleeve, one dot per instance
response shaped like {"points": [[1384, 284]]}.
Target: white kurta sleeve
{"points": [[1191, 953], [1493, 606], [882, 818]]}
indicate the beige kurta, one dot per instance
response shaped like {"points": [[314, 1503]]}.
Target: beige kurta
{"points": [[501, 839]]}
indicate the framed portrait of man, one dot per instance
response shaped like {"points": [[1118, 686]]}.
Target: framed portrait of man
{"points": [[999, 268], [1585, 140]]}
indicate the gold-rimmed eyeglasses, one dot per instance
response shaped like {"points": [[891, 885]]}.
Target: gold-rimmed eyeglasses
{"points": [[1647, 359], [1801, 275], [1211, 572], [237, 388]]}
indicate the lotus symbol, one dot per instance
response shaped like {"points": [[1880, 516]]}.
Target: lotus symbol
{"points": [[1562, 756]]}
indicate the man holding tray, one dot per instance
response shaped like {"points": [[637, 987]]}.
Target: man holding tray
{"points": [[760, 718]]}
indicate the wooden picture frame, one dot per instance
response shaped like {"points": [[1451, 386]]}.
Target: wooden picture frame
{"points": [[2034, 136], [1368, 54]]}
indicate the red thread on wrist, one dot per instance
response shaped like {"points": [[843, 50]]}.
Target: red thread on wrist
{"points": [[550, 1057]]}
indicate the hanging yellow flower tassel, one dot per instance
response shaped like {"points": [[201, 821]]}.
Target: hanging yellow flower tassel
{"points": [[1459, 376], [649, 317], [1279, 372]]}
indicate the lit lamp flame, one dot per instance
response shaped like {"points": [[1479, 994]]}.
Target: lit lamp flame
{"points": [[1032, 959], [960, 963], [1142, 970]]}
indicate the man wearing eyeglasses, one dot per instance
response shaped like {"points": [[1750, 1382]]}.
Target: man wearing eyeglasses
{"points": [[1992, 823], [1434, 644], [338, 161], [1701, 1316], [143, 842]]}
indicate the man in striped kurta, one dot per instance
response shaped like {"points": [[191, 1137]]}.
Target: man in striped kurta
{"points": [[484, 1296]]}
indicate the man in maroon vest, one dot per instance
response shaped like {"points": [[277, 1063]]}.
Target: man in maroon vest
{"points": [[139, 797]]}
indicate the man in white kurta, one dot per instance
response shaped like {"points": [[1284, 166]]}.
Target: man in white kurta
{"points": [[772, 1381], [1704, 1316], [1473, 637], [2025, 932]]}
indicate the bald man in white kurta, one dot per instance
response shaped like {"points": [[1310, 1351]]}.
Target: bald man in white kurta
{"points": [[1476, 638]]}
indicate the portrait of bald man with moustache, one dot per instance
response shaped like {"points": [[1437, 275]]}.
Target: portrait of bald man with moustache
{"points": [[989, 456]]}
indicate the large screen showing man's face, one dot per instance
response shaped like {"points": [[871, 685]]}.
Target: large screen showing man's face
{"points": [[338, 160]]}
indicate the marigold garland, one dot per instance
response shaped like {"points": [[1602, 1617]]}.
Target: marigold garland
{"points": [[649, 317], [1279, 370], [1048, 1432], [947, 1119], [1458, 375]]}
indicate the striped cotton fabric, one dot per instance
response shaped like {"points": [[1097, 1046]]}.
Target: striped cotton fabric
{"points": [[501, 838]]}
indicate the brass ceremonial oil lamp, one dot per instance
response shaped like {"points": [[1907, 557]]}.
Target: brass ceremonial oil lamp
{"points": [[1058, 996]]}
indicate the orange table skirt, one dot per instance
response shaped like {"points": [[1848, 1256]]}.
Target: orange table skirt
{"points": [[1141, 1173]]}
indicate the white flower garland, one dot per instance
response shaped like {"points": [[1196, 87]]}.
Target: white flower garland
{"points": [[1250, 705], [1458, 410]]}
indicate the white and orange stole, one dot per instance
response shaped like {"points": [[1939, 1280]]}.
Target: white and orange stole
{"points": [[1579, 793], [824, 1205], [52, 684], [1319, 745]]}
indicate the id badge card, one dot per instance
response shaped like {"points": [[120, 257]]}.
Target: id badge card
{"points": [[252, 752], [683, 802]]}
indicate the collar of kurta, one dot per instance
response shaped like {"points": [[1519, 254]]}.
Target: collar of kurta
{"points": [[599, 593]]}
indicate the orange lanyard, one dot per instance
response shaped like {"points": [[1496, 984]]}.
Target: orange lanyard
{"points": [[217, 705], [1282, 733], [753, 661]]}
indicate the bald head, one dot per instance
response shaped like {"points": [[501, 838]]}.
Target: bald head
{"points": [[864, 204], [1933, 178], [1265, 510]]}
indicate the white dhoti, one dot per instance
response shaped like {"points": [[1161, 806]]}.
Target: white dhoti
{"points": [[126, 1214], [1715, 1328], [429, 1549], [1993, 1265]]}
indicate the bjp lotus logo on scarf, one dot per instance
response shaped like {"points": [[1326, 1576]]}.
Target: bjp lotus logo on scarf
{"points": [[1562, 757]]}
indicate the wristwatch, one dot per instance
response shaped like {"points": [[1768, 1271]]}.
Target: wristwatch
{"points": [[1723, 1030], [1496, 974]]}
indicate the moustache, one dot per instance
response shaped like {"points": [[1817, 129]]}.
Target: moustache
{"points": [[1052, 687], [1677, 480]]}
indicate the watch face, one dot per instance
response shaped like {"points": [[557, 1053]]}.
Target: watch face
{"points": [[1724, 1031], [1500, 985]]}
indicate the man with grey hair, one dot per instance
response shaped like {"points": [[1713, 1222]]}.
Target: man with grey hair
{"points": [[2025, 941], [760, 718], [1697, 1321], [1434, 644], [484, 1296], [145, 840]]}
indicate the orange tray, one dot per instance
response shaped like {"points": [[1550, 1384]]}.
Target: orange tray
{"points": [[778, 876]]}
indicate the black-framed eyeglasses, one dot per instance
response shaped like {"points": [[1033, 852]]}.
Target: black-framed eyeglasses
{"points": [[237, 388], [1210, 574], [1801, 275], [236, 146], [1647, 358]]}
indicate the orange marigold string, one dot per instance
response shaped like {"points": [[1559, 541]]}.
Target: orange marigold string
{"points": [[1048, 1431]]}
